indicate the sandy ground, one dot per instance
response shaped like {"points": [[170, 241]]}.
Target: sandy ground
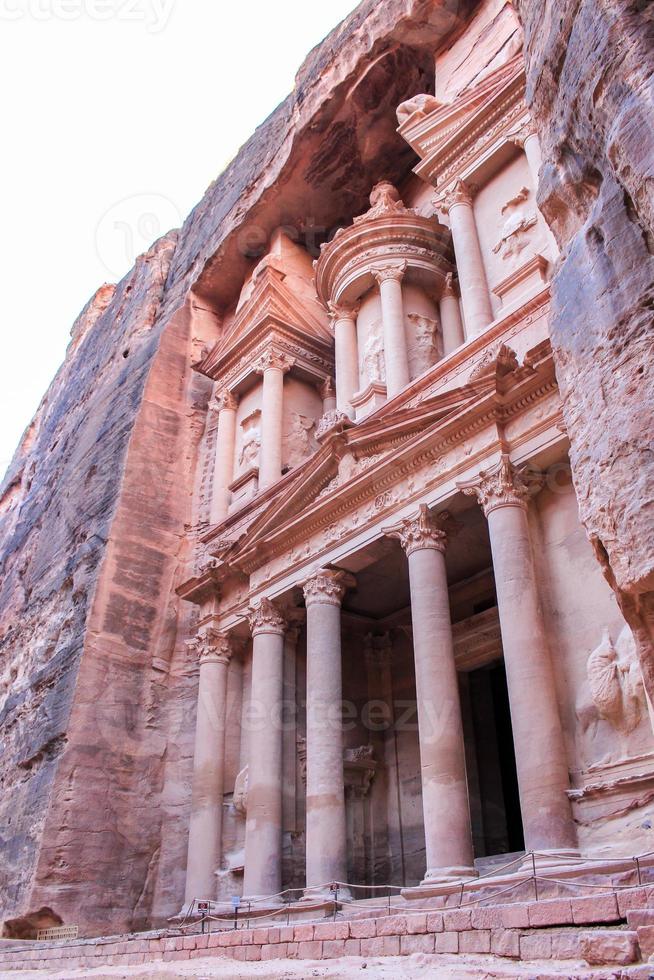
{"points": [[419, 966]]}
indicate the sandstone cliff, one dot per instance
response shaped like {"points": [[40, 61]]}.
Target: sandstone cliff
{"points": [[590, 67]]}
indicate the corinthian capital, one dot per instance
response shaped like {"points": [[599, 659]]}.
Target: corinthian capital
{"points": [[211, 646], [225, 400], [424, 531], [343, 311], [394, 272], [504, 485], [328, 586], [460, 193], [265, 617], [274, 359]]}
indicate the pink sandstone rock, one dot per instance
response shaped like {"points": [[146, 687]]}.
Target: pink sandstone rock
{"points": [[604, 946]]}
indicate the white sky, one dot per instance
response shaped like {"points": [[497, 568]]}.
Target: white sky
{"points": [[116, 115]]}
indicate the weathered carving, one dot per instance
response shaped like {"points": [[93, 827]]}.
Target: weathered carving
{"points": [[334, 421], [504, 485], [300, 442], [250, 441], [384, 200], [240, 798], [614, 694], [514, 236], [428, 348], [396, 272], [265, 617], [500, 359], [211, 646], [423, 531], [225, 400], [424, 104], [328, 586], [373, 364]]}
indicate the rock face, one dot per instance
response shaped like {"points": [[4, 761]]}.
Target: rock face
{"points": [[590, 69], [104, 506]]}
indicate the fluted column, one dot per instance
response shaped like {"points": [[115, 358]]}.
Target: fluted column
{"points": [[503, 493], [477, 308], [396, 355], [325, 821], [214, 650], [344, 320], [450, 313], [223, 472], [448, 835], [273, 366], [263, 827]]}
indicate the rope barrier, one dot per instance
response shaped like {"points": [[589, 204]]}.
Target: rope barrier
{"points": [[335, 886]]}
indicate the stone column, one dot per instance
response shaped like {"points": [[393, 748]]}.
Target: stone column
{"points": [[477, 308], [205, 829], [450, 313], [396, 356], [273, 366], [530, 143], [503, 493], [223, 472], [344, 320], [448, 835], [328, 395], [325, 824], [263, 827]]}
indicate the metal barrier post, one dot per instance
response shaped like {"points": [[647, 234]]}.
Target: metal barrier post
{"points": [[533, 865]]}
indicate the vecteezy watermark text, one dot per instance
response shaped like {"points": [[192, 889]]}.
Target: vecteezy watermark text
{"points": [[153, 14]]}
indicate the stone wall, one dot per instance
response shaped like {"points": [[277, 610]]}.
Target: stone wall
{"points": [[591, 88]]}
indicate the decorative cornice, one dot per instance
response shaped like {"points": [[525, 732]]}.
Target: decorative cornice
{"points": [[266, 617], [423, 532], [504, 485], [393, 272], [211, 646], [327, 586], [274, 359]]}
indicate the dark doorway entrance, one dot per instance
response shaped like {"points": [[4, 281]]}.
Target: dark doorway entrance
{"points": [[492, 780]]}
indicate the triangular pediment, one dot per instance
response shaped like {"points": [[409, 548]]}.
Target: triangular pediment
{"points": [[350, 458]]}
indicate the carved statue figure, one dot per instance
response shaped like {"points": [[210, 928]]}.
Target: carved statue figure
{"points": [[515, 233], [240, 798], [300, 441], [424, 104], [373, 363], [617, 695], [428, 346]]}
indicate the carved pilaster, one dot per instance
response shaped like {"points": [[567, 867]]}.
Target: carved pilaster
{"points": [[504, 485], [211, 646], [275, 360], [394, 272], [377, 652], [265, 617], [327, 586], [423, 531]]}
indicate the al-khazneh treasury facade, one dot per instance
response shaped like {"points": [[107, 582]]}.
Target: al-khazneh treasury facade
{"points": [[394, 650], [390, 522]]}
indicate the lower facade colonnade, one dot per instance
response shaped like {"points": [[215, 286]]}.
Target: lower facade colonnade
{"points": [[540, 753]]}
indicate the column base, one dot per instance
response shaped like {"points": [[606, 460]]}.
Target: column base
{"points": [[436, 876], [326, 895]]}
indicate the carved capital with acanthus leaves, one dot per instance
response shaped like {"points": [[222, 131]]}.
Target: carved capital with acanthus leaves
{"points": [[266, 617], [343, 311], [225, 401], [327, 586], [394, 272], [423, 532], [211, 646], [504, 485], [274, 360], [449, 287], [460, 193]]}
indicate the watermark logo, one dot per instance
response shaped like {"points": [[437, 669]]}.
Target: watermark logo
{"points": [[129, 227], [154, 15]]}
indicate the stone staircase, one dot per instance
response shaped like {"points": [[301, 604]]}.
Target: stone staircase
{"points": [[591, 934]]}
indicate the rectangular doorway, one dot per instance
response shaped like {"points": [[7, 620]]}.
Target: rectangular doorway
{"points": [[490, 757]]}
